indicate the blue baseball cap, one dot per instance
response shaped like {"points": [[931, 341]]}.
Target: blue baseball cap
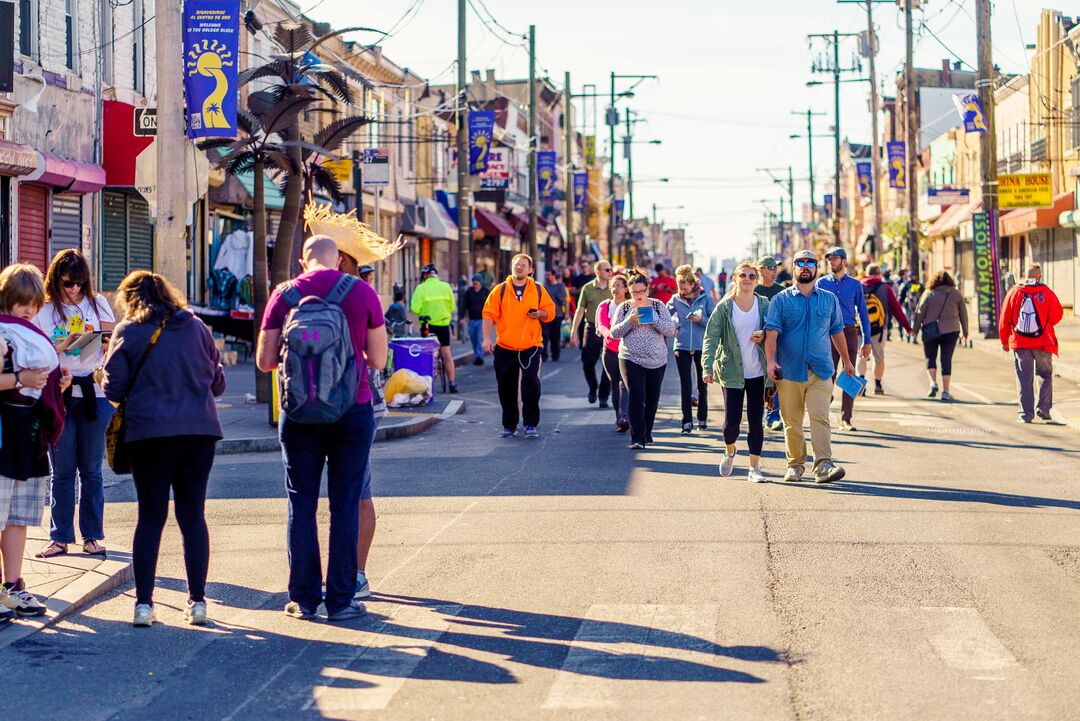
{"points": [[837, 251]]}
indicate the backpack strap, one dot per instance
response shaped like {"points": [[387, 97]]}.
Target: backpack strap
{"points": [[341, 289], [290, 293]]}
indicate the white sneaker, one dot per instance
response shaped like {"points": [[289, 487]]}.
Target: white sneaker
{"points": [[144, 615], [363, 590], [794, 473], [195, 613], [754, 475], [16, 598], [728, 464]]}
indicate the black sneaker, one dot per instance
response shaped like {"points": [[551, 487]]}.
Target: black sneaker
{"points": [[648, 439], [478, 362], [703, 425], [603, 403], [1044, 416], [687, 428], [453, 388], [879, 390], [592, 396]]}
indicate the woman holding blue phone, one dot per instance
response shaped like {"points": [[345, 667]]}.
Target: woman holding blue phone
{"points": [[71, 315], [643, 326]]}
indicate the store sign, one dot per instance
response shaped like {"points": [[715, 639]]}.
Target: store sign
{"points": [[948, 196], [897, 169], [497, 175], [1026, 190], [376, 171], [983, 245], [340, 169], [211, 45]]}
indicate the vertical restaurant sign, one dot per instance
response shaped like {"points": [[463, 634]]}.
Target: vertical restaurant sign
{"points": [[828, 206], [590, 150], [866, 178], [581, 186], [971, 112], [211, 45], [481, 127], [7, 47], [897, 169], [983, 242], [545, 174]]}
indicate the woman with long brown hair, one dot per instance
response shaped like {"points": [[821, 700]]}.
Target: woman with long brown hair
{"points": [[163, 365], [942, 317], [72, 310]]}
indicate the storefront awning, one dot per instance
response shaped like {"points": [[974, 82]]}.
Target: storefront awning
{"points": [[439, 222], [17, 159], [1023, 220], [949, 220], [272, 196], [414, 218], [493, 224], [67, 175]]}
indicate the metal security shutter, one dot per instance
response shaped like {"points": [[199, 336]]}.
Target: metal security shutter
{"points": [[33, 224], [140, 235], [113, 239], [66, 227]]}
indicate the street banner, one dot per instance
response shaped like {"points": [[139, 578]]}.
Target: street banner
{"points": [[984, 245], [376, 167], [590, 150], [581, 188], [211, 45], [897, 170], [866, 179], [828, 206], [545, 174], [7, 47], [619, 205], [481, 127], [948, 196], [1025, 190], [971, 112], [497, 174]]}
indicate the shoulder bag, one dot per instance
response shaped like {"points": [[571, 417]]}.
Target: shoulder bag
{"points": [[115, 449], [931, 329]]}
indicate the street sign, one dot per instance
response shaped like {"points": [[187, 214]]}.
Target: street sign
{"points": [[145, 121], [590, 150], [340, 169], [376, 164], [948, 196], [985, 270], [497, 174], [1025, 190]]}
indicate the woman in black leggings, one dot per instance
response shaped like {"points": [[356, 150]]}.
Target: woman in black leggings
{"points": [[942, 317], [164, 367]]}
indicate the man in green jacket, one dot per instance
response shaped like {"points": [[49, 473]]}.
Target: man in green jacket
{"points": [[435, 300]]}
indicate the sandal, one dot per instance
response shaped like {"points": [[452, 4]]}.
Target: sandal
{"points": [[52, 548], [93, 548]]}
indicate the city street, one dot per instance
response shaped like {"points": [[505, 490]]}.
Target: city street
{"points": [[572, 578]]}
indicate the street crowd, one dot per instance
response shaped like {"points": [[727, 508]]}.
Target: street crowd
{"points": [[82, 382]]}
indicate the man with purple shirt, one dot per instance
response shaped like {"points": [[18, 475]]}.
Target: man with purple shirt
{"points": [[343, 446]]}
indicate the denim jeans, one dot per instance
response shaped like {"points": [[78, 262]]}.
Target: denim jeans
{"points": [[343, 448], [476, 335], [79, 450]]}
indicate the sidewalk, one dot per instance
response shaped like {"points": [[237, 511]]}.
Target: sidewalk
{"points": [[247, 424], [1067, 362]]}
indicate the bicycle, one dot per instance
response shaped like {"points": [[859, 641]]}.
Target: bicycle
{"points": [[440, 368]]}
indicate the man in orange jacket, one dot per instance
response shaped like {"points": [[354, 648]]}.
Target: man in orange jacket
{"points": [[515, 309], [1028, 316]]}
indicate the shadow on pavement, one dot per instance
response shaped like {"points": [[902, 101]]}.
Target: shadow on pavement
{"points": [[938, 493]]}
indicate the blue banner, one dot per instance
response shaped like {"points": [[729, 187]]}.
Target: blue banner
{"points": [[828, 206], [619, 205], [581, 189], [545, 174], [481, 127], [971, 112], [897, 164], [211, 45], [866, 178]]}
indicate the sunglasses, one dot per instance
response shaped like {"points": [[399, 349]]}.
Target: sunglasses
{"points": [[73, 283], [751, 276], [806, 264]]}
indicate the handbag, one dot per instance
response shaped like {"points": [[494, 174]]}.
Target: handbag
{"points": [[115, 449], [931, 330]]}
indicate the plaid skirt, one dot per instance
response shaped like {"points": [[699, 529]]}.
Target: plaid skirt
{"points": [[22, 503]]}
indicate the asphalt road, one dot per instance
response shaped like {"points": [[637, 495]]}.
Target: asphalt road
{"points": [[572, 578]]}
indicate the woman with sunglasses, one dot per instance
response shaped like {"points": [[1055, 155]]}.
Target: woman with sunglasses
{"points": [[690, 310], [71, 310], [733, 354], [620, 396]]}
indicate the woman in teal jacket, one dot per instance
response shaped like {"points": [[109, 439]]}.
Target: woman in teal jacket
{"points": [[690, 309], [733, 354]]}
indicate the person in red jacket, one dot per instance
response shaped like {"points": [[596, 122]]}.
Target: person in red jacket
{"points": [[663, 286], [881, 312], [1028, 316]]}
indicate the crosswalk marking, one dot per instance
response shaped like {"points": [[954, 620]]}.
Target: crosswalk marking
{"points": [[962, 640]]}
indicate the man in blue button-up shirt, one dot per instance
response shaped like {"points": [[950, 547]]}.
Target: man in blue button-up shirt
{"points": [[853, 310], [800, 326]]}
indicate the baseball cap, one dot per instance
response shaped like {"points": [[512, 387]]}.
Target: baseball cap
{"points": [[366, 269], [430, 268], [767, 261], [837, 251], [805, 255]]}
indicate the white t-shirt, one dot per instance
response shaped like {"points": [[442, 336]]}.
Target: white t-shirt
{"points": [[746, 324], [86, 317]]}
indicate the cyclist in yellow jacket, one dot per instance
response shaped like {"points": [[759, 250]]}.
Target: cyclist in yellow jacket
{"points": [[435, 301]]}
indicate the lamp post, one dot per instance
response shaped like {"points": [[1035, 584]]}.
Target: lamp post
{"points": [[612, 119]]}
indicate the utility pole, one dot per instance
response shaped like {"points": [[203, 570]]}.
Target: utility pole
{"points": [[464, 218], [988, 140], [612, 119], [912, 145], [629, 168], [170, 246], [791, 203], [534, 143], [568, 127], [810, 153], [875, 144]]}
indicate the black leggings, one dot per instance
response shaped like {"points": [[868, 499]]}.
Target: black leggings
{"points": [[946, 342], [644, 386], [182, 464], [689, 364], [755, 407]]}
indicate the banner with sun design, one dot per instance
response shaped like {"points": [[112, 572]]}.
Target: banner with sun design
{"points": [[211, 45], [545, 173]]}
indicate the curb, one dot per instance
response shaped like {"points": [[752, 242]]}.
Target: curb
{"points": [[109, 575], [414, 426]]}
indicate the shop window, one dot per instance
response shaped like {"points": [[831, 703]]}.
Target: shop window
{"points": [[28, 28]]}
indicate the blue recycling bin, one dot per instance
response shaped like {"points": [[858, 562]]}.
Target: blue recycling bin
{"points": [[417, 355]]}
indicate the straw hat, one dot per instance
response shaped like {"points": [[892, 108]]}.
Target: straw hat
{"points": [[352, 237]]}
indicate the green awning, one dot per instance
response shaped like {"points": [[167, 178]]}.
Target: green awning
{"points": [[271, 193]]}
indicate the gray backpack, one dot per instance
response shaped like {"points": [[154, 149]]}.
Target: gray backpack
{"points": [[318, 374]]}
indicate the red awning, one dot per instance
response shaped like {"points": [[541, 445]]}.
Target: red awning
{"points": [[492, 224], [1023, 220], [953, 216], [71, 176], [17, 159]]}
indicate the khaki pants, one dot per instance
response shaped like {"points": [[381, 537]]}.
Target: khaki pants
{"points": [[796, 399]]}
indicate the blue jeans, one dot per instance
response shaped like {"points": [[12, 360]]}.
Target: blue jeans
{"points": [[476, 335], [343, 447], [80, 449]]}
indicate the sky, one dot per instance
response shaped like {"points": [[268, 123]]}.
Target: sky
{"points": [[730, 76]]}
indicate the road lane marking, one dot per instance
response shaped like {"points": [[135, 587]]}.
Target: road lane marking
{"points": [[550, 374], [962, 640], [967, 390]]}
